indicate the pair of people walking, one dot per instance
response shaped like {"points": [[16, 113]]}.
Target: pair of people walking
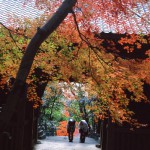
{"points": [[82, 126]]}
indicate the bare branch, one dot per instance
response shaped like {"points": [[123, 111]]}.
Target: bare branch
{"points": [[85, 39]]}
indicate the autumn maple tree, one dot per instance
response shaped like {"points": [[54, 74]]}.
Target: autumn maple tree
{"points": [[81, 55]]}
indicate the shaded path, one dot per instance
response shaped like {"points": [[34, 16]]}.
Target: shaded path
{"points": [[61, 143]]}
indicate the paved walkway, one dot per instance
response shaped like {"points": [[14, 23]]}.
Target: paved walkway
{"points": [[61, 143]]}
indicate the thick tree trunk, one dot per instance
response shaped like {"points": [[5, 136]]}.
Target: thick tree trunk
{"points": [[27, 60]]}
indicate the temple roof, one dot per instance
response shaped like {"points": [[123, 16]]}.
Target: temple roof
{"points": [[9, 8], [137, 21]]}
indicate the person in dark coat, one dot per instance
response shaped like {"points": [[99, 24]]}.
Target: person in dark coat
{"points": [[71, 128]]}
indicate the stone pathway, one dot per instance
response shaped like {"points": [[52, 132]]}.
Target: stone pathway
{"points": [[61, 143]]}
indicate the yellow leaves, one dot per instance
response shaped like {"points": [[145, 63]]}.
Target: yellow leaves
{"points": [[92, 108], [120, 114]]}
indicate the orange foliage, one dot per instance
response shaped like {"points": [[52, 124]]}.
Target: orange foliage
{"points": [[133, 40], [62, 129], [66, 112], [3, 81], [33, 97]]}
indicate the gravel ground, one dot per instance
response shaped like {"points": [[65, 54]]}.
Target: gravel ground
{"points": [[62, 143]]}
